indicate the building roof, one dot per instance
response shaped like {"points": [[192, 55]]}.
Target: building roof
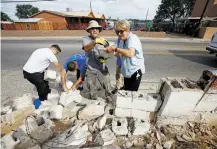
{"points": [[6, 22], [78, 14], [69, 13], [28, 20], [197, 18], [88, 14], [99, 15]]}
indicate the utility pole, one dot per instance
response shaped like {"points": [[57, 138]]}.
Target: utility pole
{"points": [[204, 9], [147, 14], [197, 27], [91, 7]]}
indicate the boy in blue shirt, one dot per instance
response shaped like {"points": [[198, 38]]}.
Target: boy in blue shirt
{"points": [[74, 63]]}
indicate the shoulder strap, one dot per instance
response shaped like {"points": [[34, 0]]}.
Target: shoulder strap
{"points": [[119, 40]]}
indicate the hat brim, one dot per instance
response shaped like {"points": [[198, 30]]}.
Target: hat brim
{"points": [[99, 27]]}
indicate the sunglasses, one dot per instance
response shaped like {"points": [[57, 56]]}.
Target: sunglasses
{"points": [[93, 28], [119, 31]]}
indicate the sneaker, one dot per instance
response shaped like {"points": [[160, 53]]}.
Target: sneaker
{"points": [[115, 91], [37, 103]]}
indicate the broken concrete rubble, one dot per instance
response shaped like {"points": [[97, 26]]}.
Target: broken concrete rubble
{"points": [[91, 111], [4, 110], [141, 127], [21, 102], [120, 126], [75, 136], [105, 137], [96, 122], [53, 97], [72, 96], [8, 142], [71, 110], [56, 112]]}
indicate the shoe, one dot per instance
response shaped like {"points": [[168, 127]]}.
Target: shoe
{"points": [[37, 103], [115, 91]]}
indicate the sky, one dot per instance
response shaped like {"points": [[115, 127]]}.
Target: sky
{"points": [[122, 9]]}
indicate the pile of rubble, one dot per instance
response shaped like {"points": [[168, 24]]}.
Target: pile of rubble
{"points": [[68, 120]]}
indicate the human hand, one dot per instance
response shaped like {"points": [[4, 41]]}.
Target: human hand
{"points": [[74, 87], [66, 90], [110, 49]]}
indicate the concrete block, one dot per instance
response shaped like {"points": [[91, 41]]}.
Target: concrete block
{"points": [[50, 75], [179, 98], [8, 142], [56, 112], [72, 96], [150, 86], [146, 102], [21, 102], [207, 104], [141, 127], [139, 114], [121, 112], [91, 111], [124, 99], [105, 137], [119, 126], [53, 97]]}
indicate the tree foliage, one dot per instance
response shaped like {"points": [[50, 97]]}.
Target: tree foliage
{"points": [[25, 11], [173, 9], [5, 17]]}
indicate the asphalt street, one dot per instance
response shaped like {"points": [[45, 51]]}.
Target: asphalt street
{"points": [[162, 59]]}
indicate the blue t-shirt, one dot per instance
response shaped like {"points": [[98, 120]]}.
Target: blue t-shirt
{"points": [[81, 60]]}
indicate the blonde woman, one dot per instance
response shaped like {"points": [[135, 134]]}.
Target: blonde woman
{"points": [[130, 51]]}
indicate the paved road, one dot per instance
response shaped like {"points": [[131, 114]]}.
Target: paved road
{"points": [[162, 59]]}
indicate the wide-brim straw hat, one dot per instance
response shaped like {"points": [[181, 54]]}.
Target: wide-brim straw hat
{"points": [[93, 24]]}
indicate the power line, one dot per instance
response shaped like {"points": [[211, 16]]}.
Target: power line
{"points": [[5, 1]]}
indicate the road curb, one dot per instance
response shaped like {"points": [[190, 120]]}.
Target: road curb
{"points": [[189, 40]]}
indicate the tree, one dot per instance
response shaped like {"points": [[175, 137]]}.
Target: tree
{"points": [[25, 11], [5, 17], [173, 9]]}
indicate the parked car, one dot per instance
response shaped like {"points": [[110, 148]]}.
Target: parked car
{"points": [[212, 47]]}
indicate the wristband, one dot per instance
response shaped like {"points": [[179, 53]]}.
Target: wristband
{"points": [[116, 49]]}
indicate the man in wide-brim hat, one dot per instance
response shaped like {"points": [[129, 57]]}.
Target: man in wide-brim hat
{"points": [[96, 70]]}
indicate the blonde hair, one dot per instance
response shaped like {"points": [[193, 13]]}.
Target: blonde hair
{"points": [[122, 24]]}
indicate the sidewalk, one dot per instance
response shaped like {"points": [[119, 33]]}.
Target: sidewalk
{"points": [[78, 34], [186, 40]]}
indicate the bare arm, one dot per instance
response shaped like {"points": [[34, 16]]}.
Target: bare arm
{"points": [[58, 66], [63, 79], [63, 75], [128, 53], [89, 46], [74, 87]]}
